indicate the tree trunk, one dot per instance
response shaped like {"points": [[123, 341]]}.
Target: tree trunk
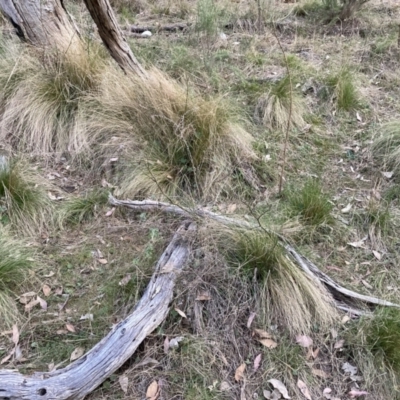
{"points": [[112, 36], [43, 23]]}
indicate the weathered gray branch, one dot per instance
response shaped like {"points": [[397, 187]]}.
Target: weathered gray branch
{"points": [[346, 296], [84, 375]]}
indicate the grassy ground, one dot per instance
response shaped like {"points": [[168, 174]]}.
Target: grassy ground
{"points": [[209, 128]]}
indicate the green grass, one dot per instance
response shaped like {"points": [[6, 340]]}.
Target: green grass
{"points": [[23, 202], [310, 203], [14, 262], [386, 148], [376, 215], [77, 210], [293, 299], [342, 91], [382, 336], [374, 342], [280, 102]]}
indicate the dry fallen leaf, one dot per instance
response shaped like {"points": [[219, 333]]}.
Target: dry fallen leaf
{"points": [[269, 343], [152, 391], [166, 345], [203, 296], [263, 334], [18, 354], [86, 316], [357, 393], [102, 261], [77, 353], [239, 373], [180, 312], [257, 362], [327, 393], [110, 212], [15, 334], [351, 369], [46, 290], [175, 342], [304, 341], [345, 319], [124, 382], [387, 174], [31, 304], [70, 327], [24, 298], [304, 389], [339, 344], [366, 284], [346, 209], [377, 255], [42, 302], [125, 280], [277, 384], [320, 373], [250, 320], [359, 243], [225, 386], [59, 291]]}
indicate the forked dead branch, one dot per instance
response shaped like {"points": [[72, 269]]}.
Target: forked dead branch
{"points": [[345, 299], [84, 375]]}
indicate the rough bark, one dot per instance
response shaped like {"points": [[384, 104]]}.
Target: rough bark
{"points": [[112, 36], [43, 23], [345, 299], [84, 375]]}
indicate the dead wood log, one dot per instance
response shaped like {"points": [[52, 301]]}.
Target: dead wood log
{"points": [[345, 299], [84, 375], [179, 26]]}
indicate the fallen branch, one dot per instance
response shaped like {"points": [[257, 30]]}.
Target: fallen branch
{"points": [[180, 26], [84, 375], [344, 298]]}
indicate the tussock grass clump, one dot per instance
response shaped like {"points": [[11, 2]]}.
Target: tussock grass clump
{"points": [[310, 203], [177, 140], [13, 263], [382, 336], [273, 108], [342, 91], [41, 100], [375, 344], [386, 148], [80, 209], [297, 302], [23, 202]]}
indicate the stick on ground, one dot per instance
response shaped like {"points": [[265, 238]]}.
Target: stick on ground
{"points": [[88, 372]]}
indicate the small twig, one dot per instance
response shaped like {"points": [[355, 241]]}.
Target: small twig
{"points": [[285, 145]]}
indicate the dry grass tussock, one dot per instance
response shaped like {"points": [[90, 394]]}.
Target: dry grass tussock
{"points": [[386, 148], [273, 108], [295, 301], [178, 141], [42, 99]]}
